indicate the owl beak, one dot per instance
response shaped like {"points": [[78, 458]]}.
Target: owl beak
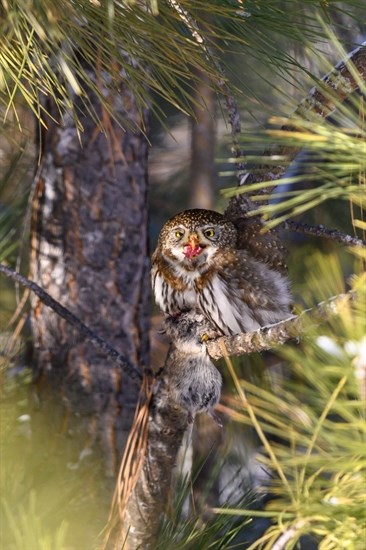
{"points": [[193, 247], [193, 240]]}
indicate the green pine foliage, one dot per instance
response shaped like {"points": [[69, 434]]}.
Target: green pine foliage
{"points": [[312, 427], [311, 420], [48, 46]]}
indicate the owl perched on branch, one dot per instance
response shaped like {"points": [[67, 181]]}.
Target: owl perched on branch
{"points": [[230, 271]]}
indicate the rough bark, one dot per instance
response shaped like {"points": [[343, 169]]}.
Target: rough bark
{"points": [[86, 332], [89, 252], [148, 502]]}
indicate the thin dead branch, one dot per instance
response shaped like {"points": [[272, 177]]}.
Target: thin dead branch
{"points": [[144, 511], [321, 231], [63, 312]]}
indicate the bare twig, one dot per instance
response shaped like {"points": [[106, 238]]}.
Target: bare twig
{"points": [[321, 231], [274, 335], [63, 312]]}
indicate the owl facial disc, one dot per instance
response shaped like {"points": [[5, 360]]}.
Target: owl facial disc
{"points": [[193, 248]]}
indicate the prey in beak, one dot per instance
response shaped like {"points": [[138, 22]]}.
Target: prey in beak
{"points": [[193, 247]]}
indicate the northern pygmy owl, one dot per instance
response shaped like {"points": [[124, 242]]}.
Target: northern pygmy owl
{"points": [[230, 271]]}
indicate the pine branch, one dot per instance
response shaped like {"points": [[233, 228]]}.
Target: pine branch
{"points": [[335, 87], [344, 79], [277, 334], [321, 231], [322, 101], [63, 312]]}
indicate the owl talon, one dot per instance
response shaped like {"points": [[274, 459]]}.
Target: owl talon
{"points": [[209, 335]]}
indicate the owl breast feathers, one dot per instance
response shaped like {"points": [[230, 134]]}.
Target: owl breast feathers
{"points": [[232, 273]]}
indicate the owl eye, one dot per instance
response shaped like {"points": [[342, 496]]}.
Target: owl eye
{"points": [[209, 233], [179, 234]]}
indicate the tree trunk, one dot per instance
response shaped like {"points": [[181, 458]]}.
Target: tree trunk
{"points": [[202, 177], [89, 251]]}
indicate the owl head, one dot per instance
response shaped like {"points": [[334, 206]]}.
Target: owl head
{"points": [[193, 236]]}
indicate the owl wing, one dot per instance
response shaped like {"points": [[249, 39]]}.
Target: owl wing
{"points": [[244, 294], [261, 292], [264, 246]]}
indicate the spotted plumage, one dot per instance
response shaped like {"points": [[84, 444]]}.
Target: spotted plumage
{"points": [[231, 272]]}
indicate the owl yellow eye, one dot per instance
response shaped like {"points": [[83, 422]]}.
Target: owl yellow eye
{"points": [[210, 233], [179, 234]]}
